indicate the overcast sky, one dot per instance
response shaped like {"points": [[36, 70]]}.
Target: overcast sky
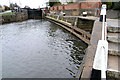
{"points": [[22, 3]]}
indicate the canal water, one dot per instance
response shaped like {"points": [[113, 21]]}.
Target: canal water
{"points": [[38, 49]]}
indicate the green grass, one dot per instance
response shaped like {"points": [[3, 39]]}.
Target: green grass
{"points": [[8, 13]]}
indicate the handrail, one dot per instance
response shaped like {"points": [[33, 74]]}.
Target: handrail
{"points": [[100, 60], [103, 71], [103, 29]]}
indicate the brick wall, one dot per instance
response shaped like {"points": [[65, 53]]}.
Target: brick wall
{"points": [[55, 7], [78, 8], [61, 7], [51, 8], [82, 5], [90, 5], [72, 6]]}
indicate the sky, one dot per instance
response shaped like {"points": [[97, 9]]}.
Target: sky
{"points": [[22, 3]]}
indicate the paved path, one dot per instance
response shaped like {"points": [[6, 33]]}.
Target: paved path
{"points": [[91, 50]]}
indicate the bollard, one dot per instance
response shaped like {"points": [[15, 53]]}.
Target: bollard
{"points": [[84, 14], [64, 14], [103, 12]]}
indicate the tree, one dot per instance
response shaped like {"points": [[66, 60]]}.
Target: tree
{"points": [[69, 2], [116, 5], [109, 4], [13, 5], [51, 3], [27, 7], [112, 5], [6, 7]]}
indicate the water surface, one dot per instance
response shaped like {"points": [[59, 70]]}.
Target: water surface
{"points": [[38, 49]]}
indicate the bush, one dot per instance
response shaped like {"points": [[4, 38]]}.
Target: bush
{"points": [[54, 3], [113, 5], [116, 5]]}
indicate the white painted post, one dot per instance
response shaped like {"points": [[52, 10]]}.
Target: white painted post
{"points": [[103, 60], [103, 12], [103, 29], [0, 51], [0, 60]]}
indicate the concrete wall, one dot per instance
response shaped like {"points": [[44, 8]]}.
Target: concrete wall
{"points": [[85, 24], [19, 16]]}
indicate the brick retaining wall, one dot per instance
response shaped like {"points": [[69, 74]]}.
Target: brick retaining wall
{"points": [[90, 5], [76, 12], [76, 9], [72, 6], [61, 7]]}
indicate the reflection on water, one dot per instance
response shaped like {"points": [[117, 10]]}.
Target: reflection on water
{"points": [[38, 49]]}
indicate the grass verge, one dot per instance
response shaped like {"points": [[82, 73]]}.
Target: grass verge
{"points": [[10, 13]]}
